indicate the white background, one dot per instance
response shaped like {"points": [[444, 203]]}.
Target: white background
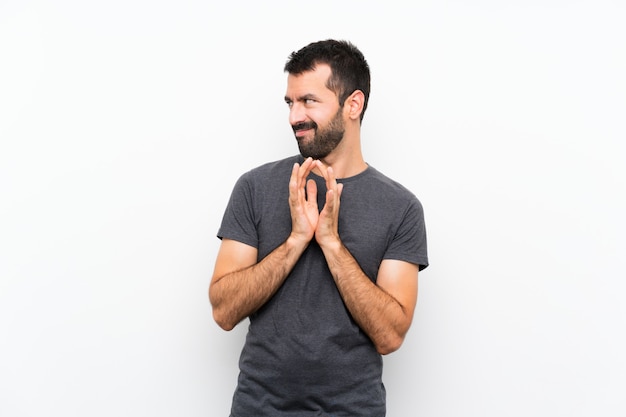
{"points": [[124, 125]]}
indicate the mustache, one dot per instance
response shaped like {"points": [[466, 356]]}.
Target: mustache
{"points": [[304, 126]]}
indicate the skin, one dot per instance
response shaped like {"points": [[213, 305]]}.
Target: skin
{"points": [[240, 285]]}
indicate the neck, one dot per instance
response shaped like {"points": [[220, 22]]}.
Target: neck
{"points": [[347, 159]]}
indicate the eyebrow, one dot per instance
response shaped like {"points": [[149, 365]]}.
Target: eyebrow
{"points": [[302, 98]]}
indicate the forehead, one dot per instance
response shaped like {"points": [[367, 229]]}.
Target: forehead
{"points": [[309, 82]]}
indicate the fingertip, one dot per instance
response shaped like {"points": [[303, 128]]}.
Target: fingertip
{"points": [[322, 168]]}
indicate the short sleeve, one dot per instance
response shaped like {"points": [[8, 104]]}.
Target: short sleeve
{"points": [[409, 242], [238, 222]]}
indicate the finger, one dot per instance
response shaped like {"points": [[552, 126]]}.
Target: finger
{"points": [[336, 195], [294, 170], [331, 180], [330, 201], [322, 169], [293, 183], [304, 170], [293, 180], [333, 198], [311, 191]]}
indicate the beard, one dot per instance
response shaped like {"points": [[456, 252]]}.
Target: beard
{"points": [[324, 141]]}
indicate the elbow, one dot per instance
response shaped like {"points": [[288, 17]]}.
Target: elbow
{"points": [[389, 345], [222, 320], [220, 316]]}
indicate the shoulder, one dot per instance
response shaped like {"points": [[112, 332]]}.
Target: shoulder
{"points": [[274, 167], [268, 173], [388, 188]]}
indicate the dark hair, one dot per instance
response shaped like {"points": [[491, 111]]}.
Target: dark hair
{"points": [[349, 70]]}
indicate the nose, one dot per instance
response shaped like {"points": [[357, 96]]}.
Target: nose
{"points": [[296, 114]]}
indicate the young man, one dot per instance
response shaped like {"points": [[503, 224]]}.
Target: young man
{"points": [[321, 252]]}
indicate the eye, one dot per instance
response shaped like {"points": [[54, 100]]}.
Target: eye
{"points": [[309, 101], [289, 103]]}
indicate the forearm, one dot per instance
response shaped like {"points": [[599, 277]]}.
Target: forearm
{"points": [[378, 314], [238, 294]]}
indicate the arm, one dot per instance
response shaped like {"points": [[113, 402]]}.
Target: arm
{"points": [[384, 310], [241, 285]]}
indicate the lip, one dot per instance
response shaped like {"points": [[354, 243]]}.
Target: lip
{"points": [[302, 132]]}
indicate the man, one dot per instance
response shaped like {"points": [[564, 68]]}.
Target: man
{"points": [[321, 252]]}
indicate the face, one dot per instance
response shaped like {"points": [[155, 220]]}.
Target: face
{"points": [[314, 113], [325, 138]]}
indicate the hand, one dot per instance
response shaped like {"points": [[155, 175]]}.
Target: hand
{"points": [[327, 231], [303, 206]]}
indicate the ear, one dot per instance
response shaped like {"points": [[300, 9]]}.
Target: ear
{"points": [[354, 104]]}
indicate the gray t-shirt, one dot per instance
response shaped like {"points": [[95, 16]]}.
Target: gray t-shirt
{"points": [[304, 355]]}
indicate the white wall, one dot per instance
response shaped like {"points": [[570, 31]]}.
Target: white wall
{"points": [[124, 124]]}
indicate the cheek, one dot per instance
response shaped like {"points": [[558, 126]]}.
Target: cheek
{"points": [[322, 118]]}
